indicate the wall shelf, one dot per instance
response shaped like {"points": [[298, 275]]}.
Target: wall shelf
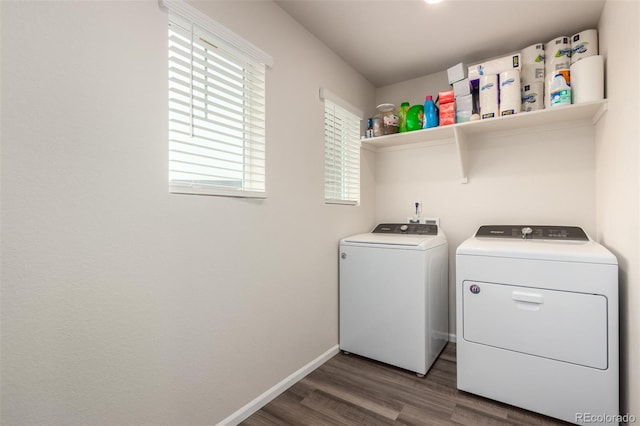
{"points": [[461, 133]]}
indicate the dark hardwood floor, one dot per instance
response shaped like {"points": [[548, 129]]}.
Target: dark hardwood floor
{"points": [[351, 390]]}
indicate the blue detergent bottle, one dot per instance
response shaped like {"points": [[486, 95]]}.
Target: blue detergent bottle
{"points": [[430, 113]]}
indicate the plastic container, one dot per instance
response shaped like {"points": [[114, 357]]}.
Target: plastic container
{"points": [[369, 133], [430, 113], [387, 123], [415, 118], [560, 90], [377, 125], [402, 117]]}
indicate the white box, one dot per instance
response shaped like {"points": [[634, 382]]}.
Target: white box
{"points": [[464, 103], [461, 88], [456, 73]]}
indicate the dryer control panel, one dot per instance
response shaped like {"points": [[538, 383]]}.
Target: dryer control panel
{"points": [[530, 232], [406, 228]]}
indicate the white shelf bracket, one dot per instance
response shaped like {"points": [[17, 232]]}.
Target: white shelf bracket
{"points": [[461, 148]]}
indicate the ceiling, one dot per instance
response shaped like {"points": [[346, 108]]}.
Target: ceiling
{"points": [[390, 41]]}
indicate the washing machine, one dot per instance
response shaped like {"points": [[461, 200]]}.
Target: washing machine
{"points": [[537, 321], [394, 295]]}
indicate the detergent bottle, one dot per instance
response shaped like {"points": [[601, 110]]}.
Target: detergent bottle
{"points": [[402, 116], [430, 113], [560, 90]]}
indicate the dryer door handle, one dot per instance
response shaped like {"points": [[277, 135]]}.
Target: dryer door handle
{"points": [[521, 296]]}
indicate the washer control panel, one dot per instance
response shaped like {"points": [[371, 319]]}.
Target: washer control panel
{"points": [[406, 228], [530, 232]]}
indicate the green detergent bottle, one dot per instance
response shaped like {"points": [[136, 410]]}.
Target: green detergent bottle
{"points": [[402, 116], [415, 117]]}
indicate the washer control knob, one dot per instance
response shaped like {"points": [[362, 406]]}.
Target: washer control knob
{"points": [[526, 231], [404, 228]]}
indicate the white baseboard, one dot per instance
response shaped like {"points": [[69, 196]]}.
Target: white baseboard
{"points": [[262, 400], [453, 338]]}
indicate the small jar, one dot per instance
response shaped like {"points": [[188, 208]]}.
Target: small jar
{"points": [[388, 120]]}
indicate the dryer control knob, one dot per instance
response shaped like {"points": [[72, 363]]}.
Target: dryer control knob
{"points": [[404, 228], [526, 231]]}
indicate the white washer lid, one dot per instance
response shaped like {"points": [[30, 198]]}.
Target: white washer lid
{"points": [[567, 251], [400, 241]]}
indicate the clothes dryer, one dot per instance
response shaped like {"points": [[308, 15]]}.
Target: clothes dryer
{"points": [[537, 321]]}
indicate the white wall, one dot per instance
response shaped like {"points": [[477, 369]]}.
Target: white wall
{"points": [[121, 303], [413, 91], [618, 179]]}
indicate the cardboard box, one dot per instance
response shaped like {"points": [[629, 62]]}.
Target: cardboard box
{"points": [[464, 108], [456, 73], [462, 88], [464, 103]]}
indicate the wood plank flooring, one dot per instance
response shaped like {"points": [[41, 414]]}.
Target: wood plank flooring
{"points": [[351, 390]]}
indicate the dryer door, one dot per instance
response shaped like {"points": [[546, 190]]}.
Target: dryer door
{"points": [[560, 325]]}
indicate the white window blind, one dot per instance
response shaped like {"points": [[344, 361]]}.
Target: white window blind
{"points": [[216, 111], [341, 151]]}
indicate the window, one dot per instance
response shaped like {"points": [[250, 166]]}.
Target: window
{"points": [[341, 150], [216, 108]]}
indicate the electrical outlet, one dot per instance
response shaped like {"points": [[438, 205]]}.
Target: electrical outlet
{"points": [[430, 220], [424, 220]]}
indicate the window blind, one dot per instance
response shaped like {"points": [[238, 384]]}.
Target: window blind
{"points": [[216, 115], [341, 154]]}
